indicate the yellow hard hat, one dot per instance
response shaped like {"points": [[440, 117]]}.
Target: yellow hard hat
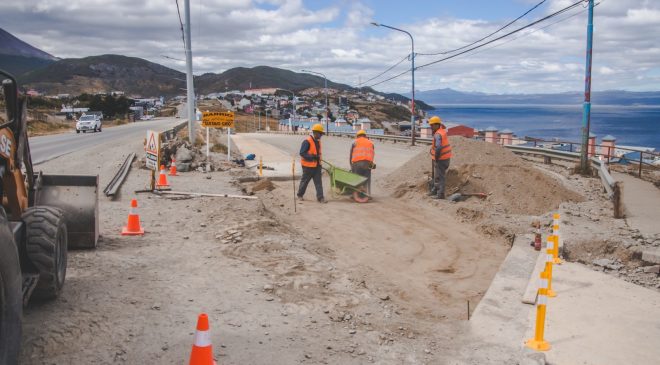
{"points": [[435, 120], [318, 128], [361, 132]]}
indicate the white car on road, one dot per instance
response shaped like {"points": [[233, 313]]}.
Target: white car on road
{"points": [[88, 123]]}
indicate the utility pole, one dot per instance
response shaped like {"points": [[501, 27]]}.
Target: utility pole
{"points": [[192, 115], [586, 114]]}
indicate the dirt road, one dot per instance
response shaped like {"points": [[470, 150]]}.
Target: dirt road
{"points": [[278, 288], [340, 283]]}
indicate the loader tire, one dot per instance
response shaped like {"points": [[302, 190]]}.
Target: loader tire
{"points": [[11, 295], [46, 246]]}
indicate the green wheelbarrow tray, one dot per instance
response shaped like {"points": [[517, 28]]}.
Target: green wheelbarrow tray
{"points": [[345, 182]]}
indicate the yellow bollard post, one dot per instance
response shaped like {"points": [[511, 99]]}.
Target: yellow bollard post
{"points": [[538, 343], [261, 167], [556, 238], [548, 267]]}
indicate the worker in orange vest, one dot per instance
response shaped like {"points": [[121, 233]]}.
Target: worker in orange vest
{"points": [[440, 154], [310, 159], [362, 157]]}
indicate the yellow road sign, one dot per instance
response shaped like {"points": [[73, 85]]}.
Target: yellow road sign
{"points": [[218, 119]]}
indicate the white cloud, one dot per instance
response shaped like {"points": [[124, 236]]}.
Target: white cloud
{"points": [[338, 41]]}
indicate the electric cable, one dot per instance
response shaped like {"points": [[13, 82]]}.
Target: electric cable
{"points": [[386, 71], [488, 36]]}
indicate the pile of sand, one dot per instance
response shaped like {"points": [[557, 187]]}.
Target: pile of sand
{"points": [[512, 184]]}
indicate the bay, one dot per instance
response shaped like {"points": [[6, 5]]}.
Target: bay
{"points": [[630, 125]]}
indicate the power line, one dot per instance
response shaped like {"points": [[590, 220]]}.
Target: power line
{"points": [[391, 78], [534, 31], [488, 36], [181, 24], [386, 71], [557, 13]]}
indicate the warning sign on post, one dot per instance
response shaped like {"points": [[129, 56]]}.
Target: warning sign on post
{"points": [[218, 119], [152, 150]]}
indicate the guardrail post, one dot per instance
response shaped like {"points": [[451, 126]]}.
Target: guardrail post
{"points": [[641, 158]]}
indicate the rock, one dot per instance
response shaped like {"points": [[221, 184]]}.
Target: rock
{"points": [[602, 262], [614, 267], [182, 166], [651, 256], [268, 287], [202, 225], [183, 154], [352, 332], [655, 269], [384, 297]]}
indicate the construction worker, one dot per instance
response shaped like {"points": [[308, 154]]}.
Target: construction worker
{"points": [[440, 154], [310, 159], [362, 157]]}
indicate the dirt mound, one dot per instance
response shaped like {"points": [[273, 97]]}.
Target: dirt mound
{"points": [[513, 185]]}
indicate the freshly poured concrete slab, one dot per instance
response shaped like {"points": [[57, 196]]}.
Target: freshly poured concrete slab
{"points": [[597, 319]]}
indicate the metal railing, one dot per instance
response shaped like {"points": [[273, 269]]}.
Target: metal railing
{"points": [[575, 147]]}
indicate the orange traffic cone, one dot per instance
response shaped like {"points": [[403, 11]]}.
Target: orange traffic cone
{"points": [[162, 179], [202, 352], [133, 228], [173, 168]]}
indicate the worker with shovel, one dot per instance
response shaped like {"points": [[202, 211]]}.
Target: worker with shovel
{"points": [[440, 155], [362, 157], [310, 159]]}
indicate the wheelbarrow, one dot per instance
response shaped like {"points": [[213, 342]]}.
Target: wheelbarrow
{"points": [[344, 182]]}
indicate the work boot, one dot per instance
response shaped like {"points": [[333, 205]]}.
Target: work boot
{"points": [[300, 198], [439, 197], [322, 200], [432, 193]]}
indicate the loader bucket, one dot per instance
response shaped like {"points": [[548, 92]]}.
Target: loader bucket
{"points": [[77, 196]]}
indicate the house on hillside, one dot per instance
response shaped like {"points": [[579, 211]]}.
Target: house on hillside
{"points": [[243, 102], [261, 92]]}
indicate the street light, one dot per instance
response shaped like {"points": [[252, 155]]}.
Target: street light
{"points": [[325, 88], [293, 96], [412, 69]]}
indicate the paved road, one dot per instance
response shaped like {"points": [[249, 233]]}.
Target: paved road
{"points": [[642, 202], [46, 148], [336, 150]]}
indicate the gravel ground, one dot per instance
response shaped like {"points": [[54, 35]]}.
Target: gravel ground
{"points": [[339, 283]]}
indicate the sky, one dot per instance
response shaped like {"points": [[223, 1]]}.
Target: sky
{"points": [[337, 39]]}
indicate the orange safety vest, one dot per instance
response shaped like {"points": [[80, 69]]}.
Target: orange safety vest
{"points": [[312, 151], [363, 150], [445, 150]]}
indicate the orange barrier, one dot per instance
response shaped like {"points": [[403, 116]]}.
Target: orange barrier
{"points": [[133, 227], [202, 351], [162, 179], [548, 266], [538, 343]]}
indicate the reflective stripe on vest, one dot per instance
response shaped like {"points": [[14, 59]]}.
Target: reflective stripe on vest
{"points": [[363, 150], [312, 151], [445, 151]]}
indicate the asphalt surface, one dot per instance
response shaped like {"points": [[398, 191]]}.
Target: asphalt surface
{"points": [[46, 148]]}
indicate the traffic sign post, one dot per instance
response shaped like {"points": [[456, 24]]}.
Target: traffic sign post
{"points": [[218, 120], [152, 150]]}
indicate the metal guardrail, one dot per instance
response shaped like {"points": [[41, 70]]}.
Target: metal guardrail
{"points": [[170, 133], [120, 176]]}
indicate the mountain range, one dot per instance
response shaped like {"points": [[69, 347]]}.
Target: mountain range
{"points": [[18, 57], [135, 76]]}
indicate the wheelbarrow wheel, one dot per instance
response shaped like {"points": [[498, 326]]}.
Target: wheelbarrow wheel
{"points": [[360, 196]]}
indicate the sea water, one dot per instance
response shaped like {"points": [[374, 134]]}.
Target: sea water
{"points": [[630, 125]]}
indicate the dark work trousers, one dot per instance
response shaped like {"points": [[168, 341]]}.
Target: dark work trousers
{"points": [[363, 168], [311, 173], [440, 170]]}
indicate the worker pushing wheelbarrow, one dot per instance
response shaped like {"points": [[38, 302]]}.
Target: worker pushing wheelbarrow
{"points": [[344, 182]]}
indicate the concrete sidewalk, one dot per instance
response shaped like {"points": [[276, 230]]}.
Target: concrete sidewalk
{"points": [[642, 203], [600, 320], [271, 156]]}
